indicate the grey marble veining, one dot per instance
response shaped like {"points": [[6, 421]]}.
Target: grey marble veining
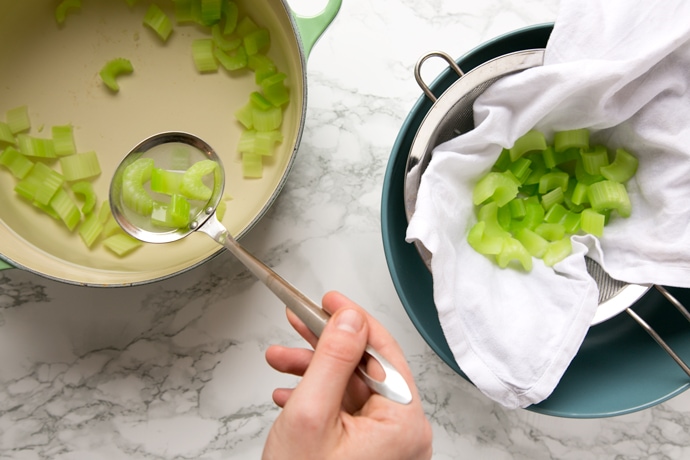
{"points": [[175, 369]]}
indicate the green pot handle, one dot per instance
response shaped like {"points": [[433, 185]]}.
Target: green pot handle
{"points": [[4, 265], [312, 27]]}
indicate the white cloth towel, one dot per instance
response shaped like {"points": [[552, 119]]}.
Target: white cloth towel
{"points": [[621, 69]]}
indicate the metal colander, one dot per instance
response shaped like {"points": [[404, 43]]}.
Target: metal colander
{"points": [[451, 115]]}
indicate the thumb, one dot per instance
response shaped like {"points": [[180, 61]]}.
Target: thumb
{"points": [[337, 354]]}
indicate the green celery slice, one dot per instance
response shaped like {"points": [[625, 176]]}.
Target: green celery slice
{"points": [[90, 229], [18, 119], [267, 120], [538, 167], [553, 157], [51, 182], [608, 194], [86, 191], [6, 134], [252, 165], [203, 55], [18, 164], [571, 222], [259, 101], [623, 167], [593, 160], [175, 214], [552, 198], [66, 208], [521, 169], [517, 208], [184, 11], [224, 42], [121, 244], [210, 11], [482, 242], [579, 195], [112, 69], [80, 166], [36, 147], [231, 60], [64, 7], [583, 176], [513, 250], [156, 19], [274, 89], [592, 222], [553, 179], [231, 14], [245, 26], [534, 243], [574, 138], [134, 196], [557, 251], [534, 215], [63, 140], [500, 187], [262, 65], [245, 115], [550, 232], [192, 185], [165, 181], [257, 41], [530, 141], [556, 214]]}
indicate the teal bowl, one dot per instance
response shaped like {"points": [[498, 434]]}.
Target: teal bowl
{"points": [[619, 369]]}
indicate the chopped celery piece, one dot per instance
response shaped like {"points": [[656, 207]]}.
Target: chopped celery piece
{"points": [[623, 167], [267, 120], [245, 26], [571, 222], [156, 19], [549, 199], [517, 208], [557, 251], [210, 11], [202, 53], [184, 11], [274, 89], [257, 41], [534, 243], [231, 60], [6, 134], [252, 165], [18, 164], [500, 187], [574, 138], [583, 176], [503, 162], [64, 7], [192, 185], [513, 250], [121, 244], [90, 229], [593, 160], [262, 66], [608, 194], [66, 208], [165, 181], [580, 193], [36, 147], [552, 180], [104, 213], [18, 119], [521, 169], [134, 196], [50, 183], [553, 157], [63, 140], [80, 166], [259, 101], [259, 142], [532, 140], [482, 242], [556, 214], [112, 70], [231, 13], [245, 115], [110, 227], [174, 214], [86, 191], [592, 222], [224, 42], [538, 168], [550, 232]]}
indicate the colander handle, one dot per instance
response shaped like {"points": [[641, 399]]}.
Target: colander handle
{"points": [[418, 70]]}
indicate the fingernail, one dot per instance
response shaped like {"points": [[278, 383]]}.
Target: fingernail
{"points": [[350, 321]]}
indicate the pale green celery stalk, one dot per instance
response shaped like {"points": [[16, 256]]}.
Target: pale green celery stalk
{"points": [[80, 166], [174, 214], [86, 191], [52, 181], [90, 229], [623, 167], [6, 135], [530, 141], [18, 164], [112, 70], [33, 181], [482, 242], [553, 179], [580, 193], [262, 65], [156, 19], [192, 185], [257, 41], [593, 160], [18, 119], [183, 11], [245, 115], [267, 120], [534, 215], [210, 11], [224, 42], [64, 7], [534, 243], [571, 222], [517, 208], [513, 250], [265, 141], [274, 89], [252, 165], [35, 147], [231, 60], [557, 251], [592, 222], [556, 214], [500, 187], [608, 194], [550, 232], [66, 208], [166, 182], [551, 198], [245, 26], [574, 138], [247, 142], [63, 140], [121, 244], [202, 53], [231, 14], [134, 196], [521, 169]]}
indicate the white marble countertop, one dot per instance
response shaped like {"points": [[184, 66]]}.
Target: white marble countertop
{"points": [[175, 369]]}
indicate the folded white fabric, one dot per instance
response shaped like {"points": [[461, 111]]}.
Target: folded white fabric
{"points": [[621, 69]]}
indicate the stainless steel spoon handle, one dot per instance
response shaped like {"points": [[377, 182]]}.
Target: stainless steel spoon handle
{"points": [[393, 387]]}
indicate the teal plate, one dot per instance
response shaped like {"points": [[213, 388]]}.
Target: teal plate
{"points": [[619, 369]]}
